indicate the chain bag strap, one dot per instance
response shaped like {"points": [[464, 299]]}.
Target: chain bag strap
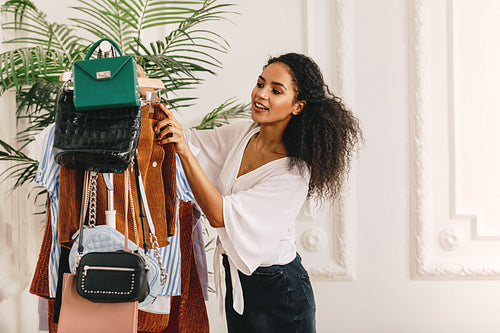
{"points": [[102, 238], [132, 207], [108, 276], [83, 213]]}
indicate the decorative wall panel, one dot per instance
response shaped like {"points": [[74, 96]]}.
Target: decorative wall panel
{"points": [[325, 233], [454, 139]]}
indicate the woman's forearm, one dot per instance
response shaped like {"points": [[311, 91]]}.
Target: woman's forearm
{"points": [[207, 196]]}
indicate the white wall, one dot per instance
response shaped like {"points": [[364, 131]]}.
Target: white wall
{"points": [[20, 238], [413, 246]]}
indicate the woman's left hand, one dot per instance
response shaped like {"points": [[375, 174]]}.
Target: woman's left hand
{"points": [[169, 130]]}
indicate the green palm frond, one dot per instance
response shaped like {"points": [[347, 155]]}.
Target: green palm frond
{"points": [[23, 66], [38, 98], [104, 19], [195, 49], [221, 115], [141, 15], [47, 49], [24, 168], [40, 32], [54, 47], [36, 108]]}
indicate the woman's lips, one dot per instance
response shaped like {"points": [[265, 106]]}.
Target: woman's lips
{"points": [[260, 107]]}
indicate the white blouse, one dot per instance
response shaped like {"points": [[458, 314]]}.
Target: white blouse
{"points": [[259, 207]]}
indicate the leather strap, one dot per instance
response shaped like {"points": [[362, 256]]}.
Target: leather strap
{"points": [[146, 207], [125, 197], [141, 195], [139, 199]]}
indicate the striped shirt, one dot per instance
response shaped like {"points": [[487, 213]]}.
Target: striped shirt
{"points": [[47, 175], [171, 254]]}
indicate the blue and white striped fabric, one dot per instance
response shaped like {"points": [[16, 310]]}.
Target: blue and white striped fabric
{"points": [[171, 254], [47, 176], [183, 189]]}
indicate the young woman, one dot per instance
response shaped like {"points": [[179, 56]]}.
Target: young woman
{"points": [[251, 180]]}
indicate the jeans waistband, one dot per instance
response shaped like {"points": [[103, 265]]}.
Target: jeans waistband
{"points": [[297, 259]]}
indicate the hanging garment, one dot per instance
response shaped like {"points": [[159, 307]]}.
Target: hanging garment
{"points": [[158, 171], [40, 282], [199, 250], [47, 175], [64, 183], [188, 313], [170, 253]]}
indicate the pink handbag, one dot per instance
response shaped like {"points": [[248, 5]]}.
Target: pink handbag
{"points": [[79, 315]]}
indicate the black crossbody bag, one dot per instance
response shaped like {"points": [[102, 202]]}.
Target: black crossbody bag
{"points": [[115, 276]]}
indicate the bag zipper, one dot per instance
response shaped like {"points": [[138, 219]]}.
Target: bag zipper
{"points": [[106, 268]]}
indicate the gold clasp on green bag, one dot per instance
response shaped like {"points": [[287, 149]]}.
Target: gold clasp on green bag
{"points": [[103, 75]]}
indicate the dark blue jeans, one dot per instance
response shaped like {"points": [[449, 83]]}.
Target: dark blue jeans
{"points": [[277, 299]]}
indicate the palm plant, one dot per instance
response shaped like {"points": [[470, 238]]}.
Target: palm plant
{"points": [[178, 59]]}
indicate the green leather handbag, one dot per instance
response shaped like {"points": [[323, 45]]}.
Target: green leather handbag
{"points": [[105, 82]]}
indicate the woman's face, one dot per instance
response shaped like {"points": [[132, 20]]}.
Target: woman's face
{"points": [[273, 97]]}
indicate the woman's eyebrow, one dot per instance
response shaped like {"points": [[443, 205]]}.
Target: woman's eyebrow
{"points": [[276, 83]]}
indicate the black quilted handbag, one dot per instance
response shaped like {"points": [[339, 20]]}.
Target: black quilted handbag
{"points": [[103, 140]]}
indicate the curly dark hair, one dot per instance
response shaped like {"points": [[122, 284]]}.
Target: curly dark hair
{"points": [[324, 135]]}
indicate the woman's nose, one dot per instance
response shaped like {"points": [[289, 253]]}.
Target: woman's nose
{"points": [[261, 92]]}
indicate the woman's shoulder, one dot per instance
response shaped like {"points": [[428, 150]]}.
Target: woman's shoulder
{"points": [[234, 132], [221, 139], [239, 126]]}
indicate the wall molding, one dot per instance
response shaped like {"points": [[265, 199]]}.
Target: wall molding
{"points": [[453, 67], [341, 263], [425, 265]]}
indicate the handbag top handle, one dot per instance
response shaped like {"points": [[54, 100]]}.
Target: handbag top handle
{"points": [[96, 44], [125, 198], [139, 200]]}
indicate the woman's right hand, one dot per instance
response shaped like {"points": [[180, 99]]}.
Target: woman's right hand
{"points": [[169, 130], [207, 196]]}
